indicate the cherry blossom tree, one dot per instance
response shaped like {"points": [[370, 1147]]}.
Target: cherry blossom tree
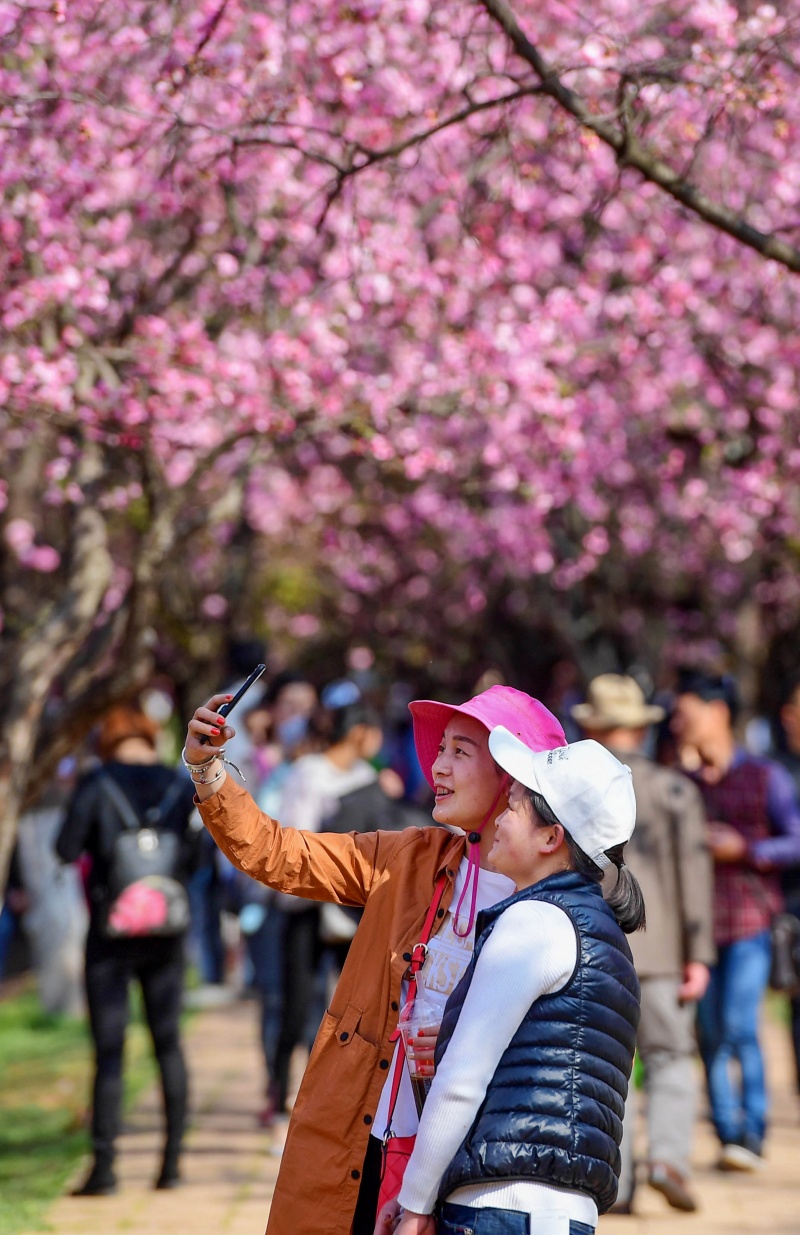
{"points": [[461, 312]]}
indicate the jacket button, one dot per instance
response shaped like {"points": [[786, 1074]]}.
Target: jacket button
{"points": [[384, 1064], [367, 1119], [395, 1006], [440, 913], [406, 956], [355, 1174], [343, 1037]]}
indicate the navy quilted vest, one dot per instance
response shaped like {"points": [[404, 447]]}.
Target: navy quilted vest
{"points": [[553, 1110]]}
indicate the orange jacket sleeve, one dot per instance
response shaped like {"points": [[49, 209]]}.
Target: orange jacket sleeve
{"points": [[323, 866]]}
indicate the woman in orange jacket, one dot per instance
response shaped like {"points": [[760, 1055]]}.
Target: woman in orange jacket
{"points": [[341, 1112]]}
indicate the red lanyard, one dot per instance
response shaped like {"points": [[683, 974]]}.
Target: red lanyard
{"points": [[418, 954], [474, 841]]}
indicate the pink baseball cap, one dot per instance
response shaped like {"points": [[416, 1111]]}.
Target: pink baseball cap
{"points": [[522, 715]]}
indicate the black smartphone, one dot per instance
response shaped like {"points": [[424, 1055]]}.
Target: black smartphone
{"points": [[228, 707]]}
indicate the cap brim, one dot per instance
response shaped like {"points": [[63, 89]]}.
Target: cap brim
{"points": [[514, 757]]}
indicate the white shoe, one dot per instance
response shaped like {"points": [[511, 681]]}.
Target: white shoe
{"points": [[739, 1158]]}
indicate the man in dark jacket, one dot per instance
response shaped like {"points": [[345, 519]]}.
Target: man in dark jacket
{"points": [[668, 853]]}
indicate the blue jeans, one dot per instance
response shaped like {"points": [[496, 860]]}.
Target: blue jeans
{"points": [[727, 1018], [205, 901], [464, 1220], [264, 948]]}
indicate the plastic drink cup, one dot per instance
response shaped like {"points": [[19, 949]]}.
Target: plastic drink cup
{"points": [[419, 1028]]}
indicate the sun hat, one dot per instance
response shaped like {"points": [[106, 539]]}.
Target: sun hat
{"points": [[615, 700], [499, 705], [588, 790], [529, 719]]}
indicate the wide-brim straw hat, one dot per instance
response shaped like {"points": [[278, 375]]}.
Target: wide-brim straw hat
{"points": [[615, 701]]}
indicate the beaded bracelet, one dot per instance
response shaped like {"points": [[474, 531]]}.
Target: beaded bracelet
{"points": [[211, 780], [201, 767], [190, 767]]}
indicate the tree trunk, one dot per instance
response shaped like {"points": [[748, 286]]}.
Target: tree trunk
{"points": [[43, 653]]}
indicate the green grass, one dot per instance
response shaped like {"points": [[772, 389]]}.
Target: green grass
{"points": [[778, 1008], [45, 1079]]}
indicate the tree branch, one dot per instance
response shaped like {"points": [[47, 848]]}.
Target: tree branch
{"points": [[633, 153], [370, 157], [473, 109]]}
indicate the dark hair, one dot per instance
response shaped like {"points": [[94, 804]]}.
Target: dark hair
{"points": [[709, 687], [789, 688], [343, 707], [243, 654], [625, 898], [286, 677]]}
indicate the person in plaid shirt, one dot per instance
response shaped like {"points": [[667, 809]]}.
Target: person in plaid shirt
{"points": [[754, 831]]}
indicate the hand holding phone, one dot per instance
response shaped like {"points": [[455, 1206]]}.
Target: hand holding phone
{"points": [[226, 708]]}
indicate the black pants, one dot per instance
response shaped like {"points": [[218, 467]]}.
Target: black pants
{"points": [[303, 951], [367, 1207], [158, 965]]}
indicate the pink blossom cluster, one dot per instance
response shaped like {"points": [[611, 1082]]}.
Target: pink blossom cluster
{"points": [[225, 235]]}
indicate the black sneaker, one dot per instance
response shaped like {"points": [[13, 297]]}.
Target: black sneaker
{"points": [[101, 1181]]}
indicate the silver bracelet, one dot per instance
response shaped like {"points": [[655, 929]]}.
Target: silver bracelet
{"points": [[201, 767], [211, 780], [191, 766], [202, 779]]}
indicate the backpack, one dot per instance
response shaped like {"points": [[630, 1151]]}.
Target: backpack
{"points": [[144, 895]]}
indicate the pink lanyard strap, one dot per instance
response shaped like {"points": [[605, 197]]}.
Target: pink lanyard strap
{"points": [[418, 954], [474, 840]]}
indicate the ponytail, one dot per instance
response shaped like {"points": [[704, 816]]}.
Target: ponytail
{"points": [[625, 898]]}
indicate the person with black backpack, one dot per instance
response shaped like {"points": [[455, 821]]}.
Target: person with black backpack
{"points": [[132, 817]]}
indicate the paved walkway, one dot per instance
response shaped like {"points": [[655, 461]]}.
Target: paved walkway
{"points": [[229, 1171], [736, 1204]]}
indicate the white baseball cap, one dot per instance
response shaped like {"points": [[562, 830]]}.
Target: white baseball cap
{"points": [[588, 790]]}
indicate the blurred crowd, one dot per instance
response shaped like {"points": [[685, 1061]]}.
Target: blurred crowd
{"points": [[716, 850]]}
